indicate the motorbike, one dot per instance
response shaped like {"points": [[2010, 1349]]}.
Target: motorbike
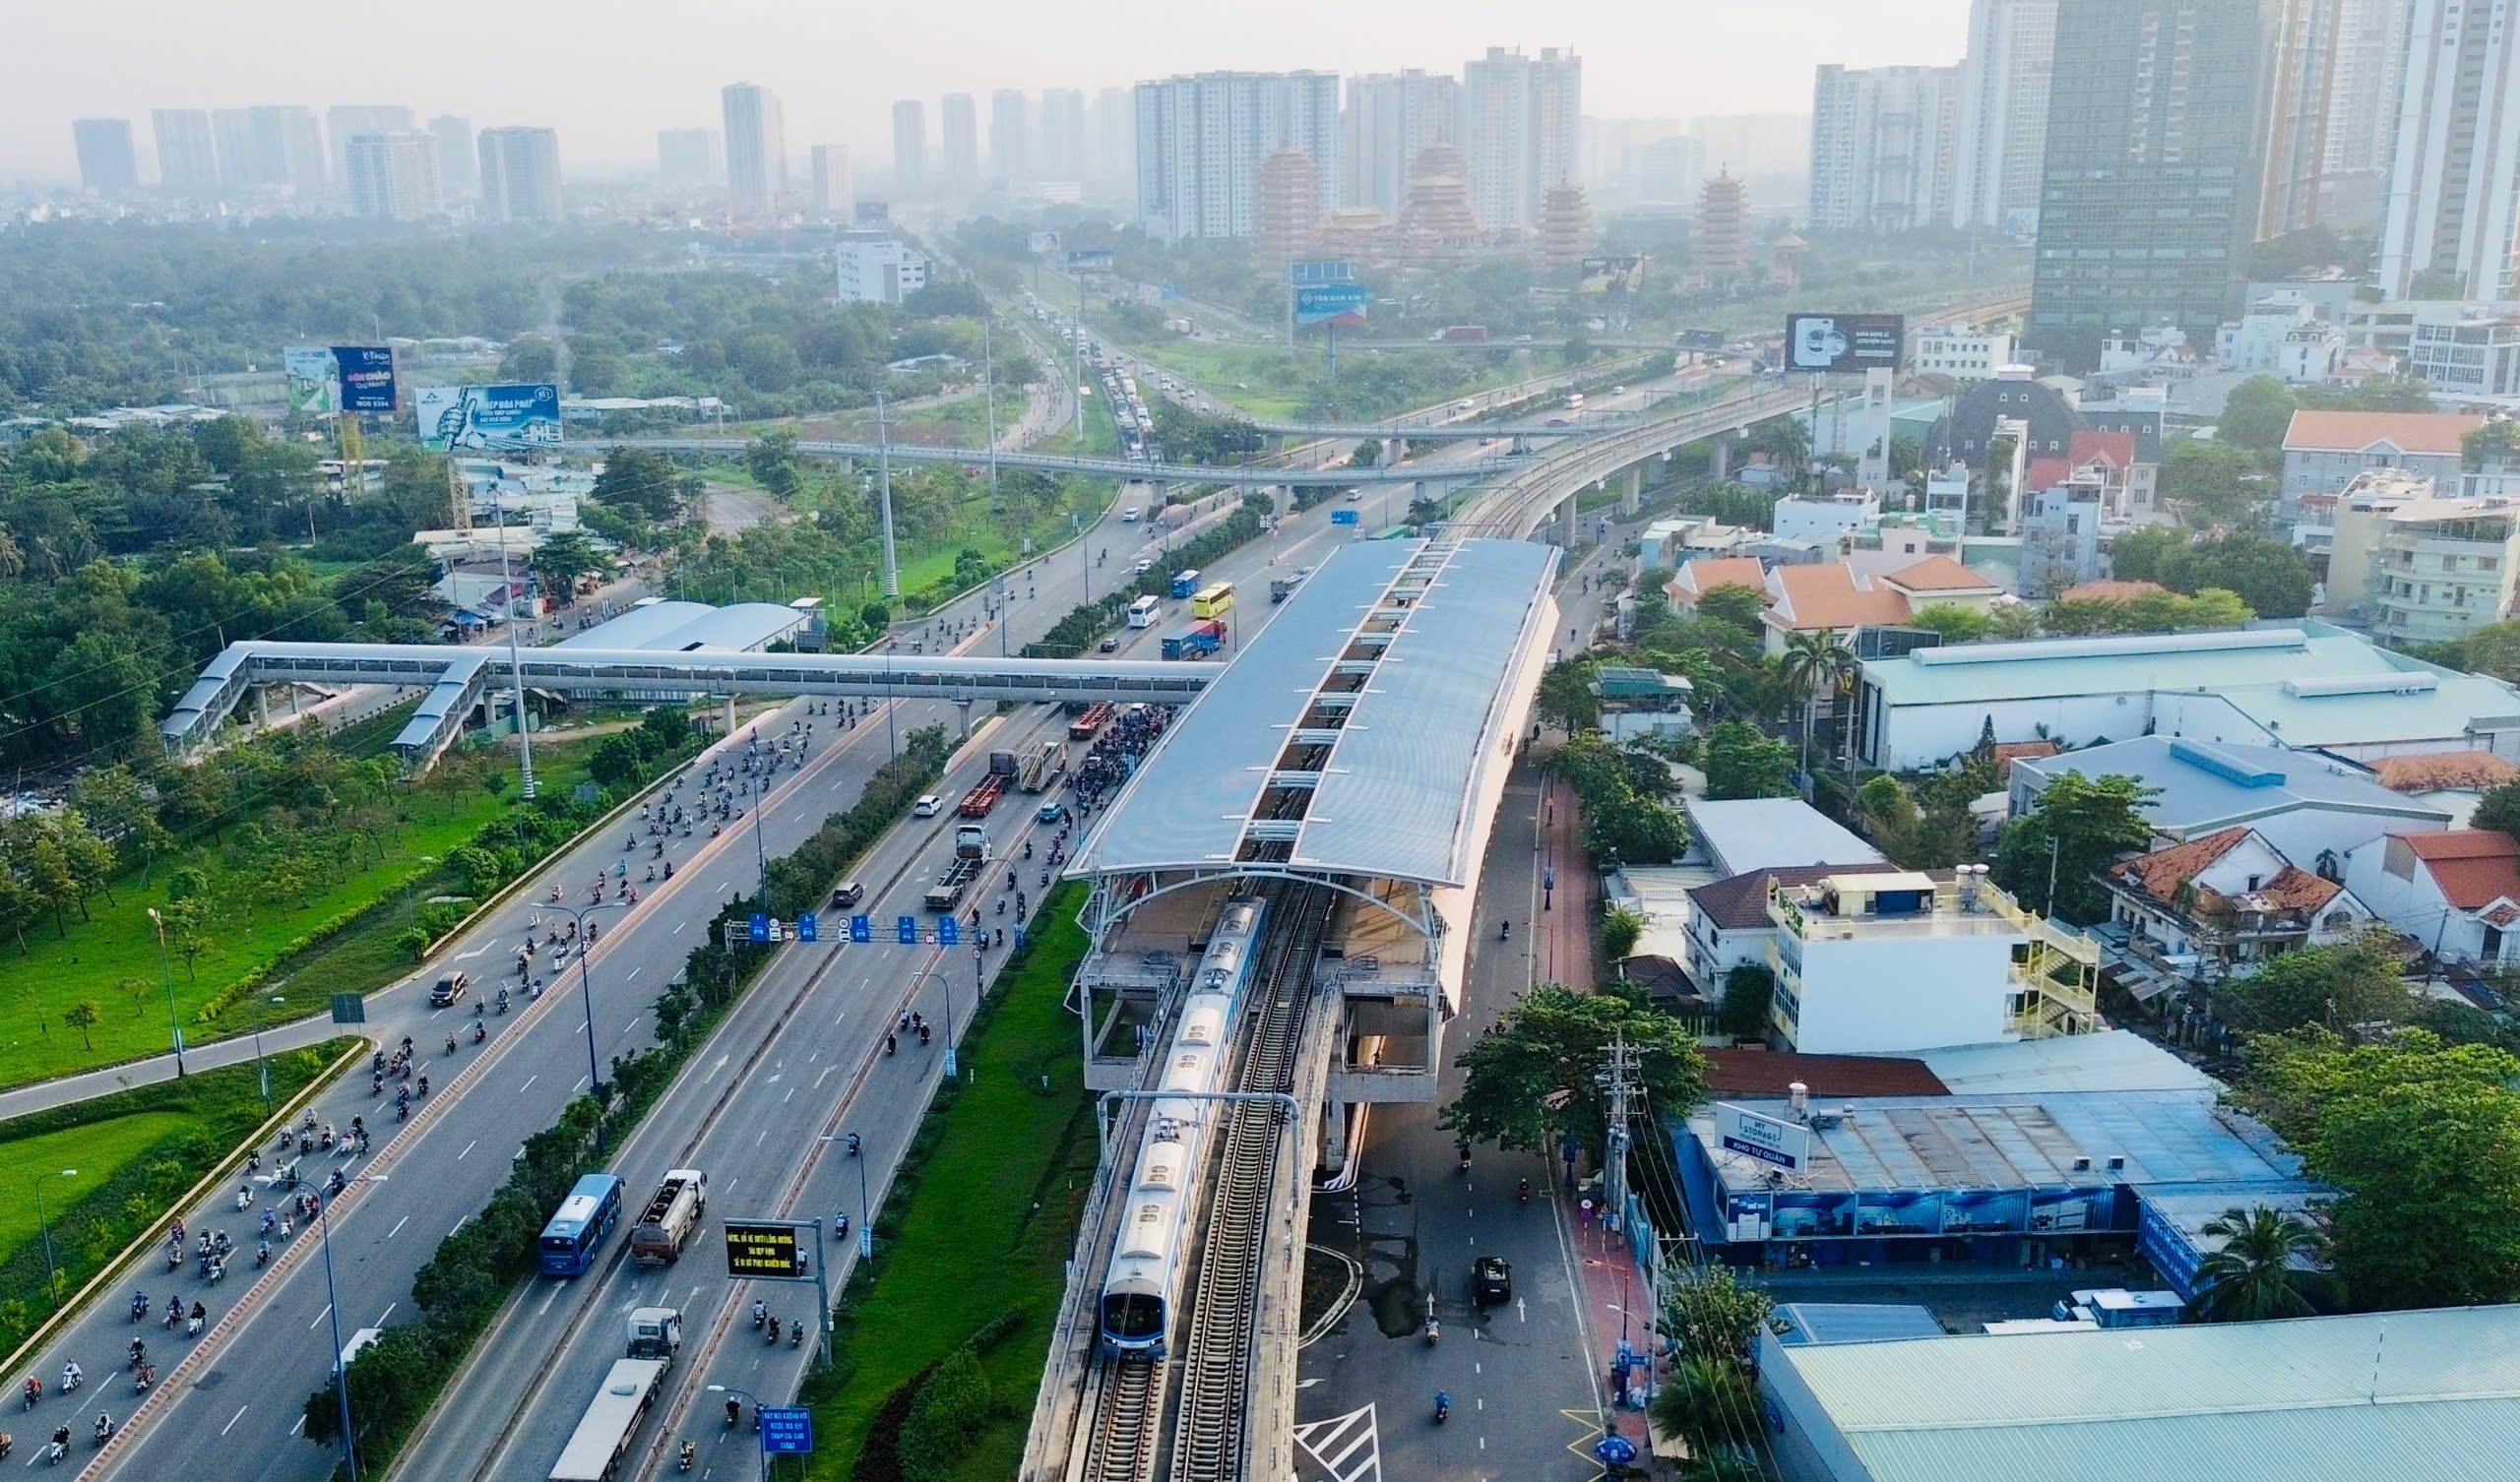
{"points": [[774, 1333], [450, 1044], [104, 1429], [71, 1378], [734, 1408], [1505, 931], [34, 1391], [244, 1198], [139, 1307], [1443, 1406], [891, 1044], [60, 1446], [480, 1032], [1523, 1190], [1434, 1330], [503, 1001], [923, 1034], [797, 1334], [688, 1452], [139, 1354], [261, 1253], [760, 1316]]}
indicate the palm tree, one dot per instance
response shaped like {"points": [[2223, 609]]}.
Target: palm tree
{"points": [[2251, 1277], [1811, 660]]}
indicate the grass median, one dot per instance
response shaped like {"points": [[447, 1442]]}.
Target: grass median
{"points": [[971, 1245]]}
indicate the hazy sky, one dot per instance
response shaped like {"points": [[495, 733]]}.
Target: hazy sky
{"points": [[608, 74]]}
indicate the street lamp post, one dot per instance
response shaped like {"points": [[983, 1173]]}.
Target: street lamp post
{"points": [[585, 999], [174, 1025], [865, 1210], [756, 1412], [45, 1225], [331, 1295]]}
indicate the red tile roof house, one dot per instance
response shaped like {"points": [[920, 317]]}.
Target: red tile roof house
{"points": [[1835, 597], [2219, 906], [2456, 892]]}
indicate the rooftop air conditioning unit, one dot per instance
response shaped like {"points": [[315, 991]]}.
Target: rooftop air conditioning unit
{"points": [[2116, 1164], [2082, 1165]]}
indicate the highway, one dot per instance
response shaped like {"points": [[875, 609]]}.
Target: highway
{"points": [[243, 1386]]}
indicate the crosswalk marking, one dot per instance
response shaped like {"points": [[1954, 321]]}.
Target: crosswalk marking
{"points": [[1337, 1442]]}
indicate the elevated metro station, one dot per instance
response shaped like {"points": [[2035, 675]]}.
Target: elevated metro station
{"points": [[1360, 743]]}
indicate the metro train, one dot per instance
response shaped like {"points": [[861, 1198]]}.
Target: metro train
{"points": [[1144, 1281]]}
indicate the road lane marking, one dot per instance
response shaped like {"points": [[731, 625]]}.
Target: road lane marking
{"points": [[466, 956], [387, 1313], [581, 1085], [635, 971], [529, 1082], [320, 1317], [398, 1227], [547, 1301], [459, 1225], [678, 926], [468, 1148], [233, 1419], [790, 1097], [292, 1430]]}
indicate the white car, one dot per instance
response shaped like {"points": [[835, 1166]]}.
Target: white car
{"points": [[1132, 515], [927, 806]]}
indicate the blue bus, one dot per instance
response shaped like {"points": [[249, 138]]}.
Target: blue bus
{"points": [[586, 1216]]}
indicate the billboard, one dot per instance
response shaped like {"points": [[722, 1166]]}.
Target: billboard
{"points": [[1095, 257], [1331, 303], [1844, 343], [489, 418], [314, 379], [1770, 1140], [1042, 243], [765, 1250], [367, 377], [1320, 270]]}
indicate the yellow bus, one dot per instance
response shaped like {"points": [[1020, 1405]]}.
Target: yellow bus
{"points": [[1214, 599]]}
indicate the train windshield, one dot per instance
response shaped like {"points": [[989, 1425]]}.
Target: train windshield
{"points": [[1132, 1316]]}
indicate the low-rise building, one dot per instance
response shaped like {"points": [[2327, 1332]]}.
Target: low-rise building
{"points": [[2282, 333], [2458, 893], [2357, 516], [2060, 530], [2445, 567], [1729, 925], [1638, 702], [2324, 450], [1737, 836], [2309, 806], [1837, 596], [2219, 906], [1695, 579], [1798, 517], [1964, 351], [874, 268]]}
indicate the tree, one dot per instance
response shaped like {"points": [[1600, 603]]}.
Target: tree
{"points": [[2499, 809], [2270, 576], [1956, 624], [2349, 987], [82, 1017], [2251, 1278], [563, 558], [1712, 1315], [1815, 661], [1620, 927], [1708, 1403], [1534, 1077], [1748, 990], [2142, 553], [1743, 608], [1566, 695], [2077, 827], [1741, 763], [2213, 480], [1890, 816], [772, 461], [2256, 415], [616, 764], [662, 731], [635, 478]]}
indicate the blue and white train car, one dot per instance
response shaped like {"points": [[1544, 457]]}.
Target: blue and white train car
{"points": [[1144, 1283]]}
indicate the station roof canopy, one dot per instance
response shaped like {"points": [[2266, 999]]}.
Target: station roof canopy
{"points": [[1394, 799], [691, 627]]}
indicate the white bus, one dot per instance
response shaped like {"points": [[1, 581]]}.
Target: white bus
{"points": [[1143, 612], [603, 1436]]}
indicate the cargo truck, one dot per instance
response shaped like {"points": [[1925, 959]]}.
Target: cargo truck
{"points": [[983, 795], [674, 1211], [970, 857], [1199, 641], [1041, 766], [1086, 726], [1460, 334]]}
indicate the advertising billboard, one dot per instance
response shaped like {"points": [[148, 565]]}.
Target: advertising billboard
{"points": [[1090, 257], [1844, 343], [1042, 243], [1342, 304], [367, 377], [489, 418], [314, 379], [1770, 1140]]}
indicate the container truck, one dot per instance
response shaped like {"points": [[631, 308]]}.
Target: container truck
{"points": [[1460, 334], [674, 1211], [970, 857], [1041, 766], [1086, 726], [983, 795], [1199, 641]]}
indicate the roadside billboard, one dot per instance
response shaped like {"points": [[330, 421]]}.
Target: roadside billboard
{"points": [[367, 377], [1770, 1140], [1844, 343], [314, 379], [489, 418], [1090, 257], [1342, 304], [1042, 243]]}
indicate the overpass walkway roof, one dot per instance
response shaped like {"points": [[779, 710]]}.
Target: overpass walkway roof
{"points": [[1434, 633]]}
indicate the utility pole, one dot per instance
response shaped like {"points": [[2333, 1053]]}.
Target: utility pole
{"points": [[1621, 1080], [884, 490], [988, 393]]}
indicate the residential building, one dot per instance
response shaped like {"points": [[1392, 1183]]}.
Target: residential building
{"points": [[1391, 119], [2324, 450], [1756, 143], [343, 122], [1061, 153], [1668, 171], [2306, 686], [288, 150], [831, 194], [187, 151], [2464, 350], [2299, 97], [2154, 155], [1641, 701], [1521, 120], [2216, 907], [1722, 249], [2307, 807], [2282, 333], [1835, 597], [1729, 925], [1825, 517], [1695, 579], [2361, 513], [876, 269], [394, 177], [959, 118], [1884, 144], [756, 150], [909, 145], [2454, 181], [690, 158], [1201, 140], [2362, 103], [1114, 130], [1968, 434], [108, 163], [2454, 781], [1965, 352], [2445, 569], [1881, 963], [521, 175], [2003, 114], [458, 175], [242, 166], [2456, 892], [2061, 528], [1743, 835], [1010, 137]]}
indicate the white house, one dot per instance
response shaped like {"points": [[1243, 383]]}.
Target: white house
{"points": [[2219, 906], [2457, 892]]}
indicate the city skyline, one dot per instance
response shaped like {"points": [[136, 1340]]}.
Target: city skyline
{"points": [[626, 83]]}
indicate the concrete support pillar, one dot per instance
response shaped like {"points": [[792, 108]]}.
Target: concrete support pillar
{"points": [[1719, 464], [964, 708], [1631, 494], [730, 713], [1567, 523], [263, 705], [1334, 1136], [1393, 450]]}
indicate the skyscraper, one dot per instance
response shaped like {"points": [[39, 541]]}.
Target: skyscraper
{"points": [[1063, 134], [1882, 147], [831, 179], [909, 145], [302, 139], [344, 120], [960, 120], [756, 150], [2298, 87], [2003, 113], [2454, 181], [689, 158], [108, 163], [242, 164], [392, 176], [2156, 143], [1391, 119], [1115, 132], [1200, 139], [1521, 120], [457, 168], [2362, 103], [520, 175], [187, 150], [1010, 137]]}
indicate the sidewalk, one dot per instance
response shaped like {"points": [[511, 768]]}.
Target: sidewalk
{"points": [[1616, 1312]]}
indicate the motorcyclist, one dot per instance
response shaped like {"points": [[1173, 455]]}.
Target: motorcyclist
{"points": [[1443, 1404], [71, 1375], [760, 1313], [104, 1426]]}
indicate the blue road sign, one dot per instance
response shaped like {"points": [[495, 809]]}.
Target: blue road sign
{"points": [[862, 929], [760, 928], [948, 932], [787, 1431], [1344, 516], [906, 930], [809, 929]]}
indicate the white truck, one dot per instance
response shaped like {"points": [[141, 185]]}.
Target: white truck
{"points": [[674, 1211]]}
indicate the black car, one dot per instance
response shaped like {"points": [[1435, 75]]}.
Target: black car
{"points": [[449, 989], [1492, 1280]]}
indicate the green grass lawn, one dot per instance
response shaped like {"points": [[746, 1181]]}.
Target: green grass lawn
{"points": [[112, 960], [989, 1225], [64, 1167]]}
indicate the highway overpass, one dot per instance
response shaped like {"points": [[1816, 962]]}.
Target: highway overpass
{"points": [[1541, 491], [1124, 469]]}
